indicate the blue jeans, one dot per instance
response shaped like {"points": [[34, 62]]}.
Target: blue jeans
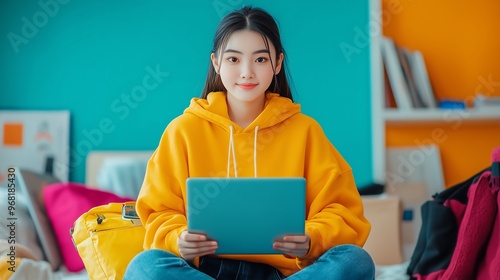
{"points": [[341, 262]]}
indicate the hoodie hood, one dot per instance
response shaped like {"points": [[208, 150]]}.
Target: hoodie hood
{"points": [[214, 109], [277, 109]]}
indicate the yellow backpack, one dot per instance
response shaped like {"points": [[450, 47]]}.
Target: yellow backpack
{"points": [[107, 237]]}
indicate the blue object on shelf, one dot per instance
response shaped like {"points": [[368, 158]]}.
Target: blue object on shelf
{"points": [[451, 104]]}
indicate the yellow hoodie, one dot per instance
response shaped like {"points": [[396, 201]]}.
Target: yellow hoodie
{"points": [[280, 142]]}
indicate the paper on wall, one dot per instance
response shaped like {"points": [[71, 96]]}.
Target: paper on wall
{"points": [[36, 141]]}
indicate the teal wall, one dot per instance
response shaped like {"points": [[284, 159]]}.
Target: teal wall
{"points": [[87, 56]]}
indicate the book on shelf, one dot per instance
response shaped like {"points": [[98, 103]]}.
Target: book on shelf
{"points": [[421, 78], [395, 74], [404, 58], [390, 102]]}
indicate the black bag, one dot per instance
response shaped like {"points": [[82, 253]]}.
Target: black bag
{"points": [[457, 226]]}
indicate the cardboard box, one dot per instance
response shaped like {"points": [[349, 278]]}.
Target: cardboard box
{"points": [[412, 196], [384, 242]]}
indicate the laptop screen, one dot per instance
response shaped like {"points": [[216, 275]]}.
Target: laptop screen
{"points": [[246, 215]]}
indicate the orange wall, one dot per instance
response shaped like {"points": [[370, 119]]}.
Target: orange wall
{"points": [[460, 41]]}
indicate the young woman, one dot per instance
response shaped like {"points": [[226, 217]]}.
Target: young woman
{"points": [[246, 125]]}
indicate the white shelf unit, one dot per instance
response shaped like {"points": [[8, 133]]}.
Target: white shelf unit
{"points": [[382, 116], [395, 116], [377, 94]]}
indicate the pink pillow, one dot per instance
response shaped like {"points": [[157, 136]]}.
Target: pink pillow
{"points": [[64, 203]]}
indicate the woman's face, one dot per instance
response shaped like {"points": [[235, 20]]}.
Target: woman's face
{"points": [[245, 66]]}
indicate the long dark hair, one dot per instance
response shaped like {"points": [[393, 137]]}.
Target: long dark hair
{"points": [[257, 20]]}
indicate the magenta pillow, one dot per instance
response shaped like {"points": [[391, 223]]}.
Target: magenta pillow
{"points": [[64, 203]]}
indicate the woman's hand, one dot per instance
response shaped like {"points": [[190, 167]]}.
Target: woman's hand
{"points": [[193, 245], [293, 246]]}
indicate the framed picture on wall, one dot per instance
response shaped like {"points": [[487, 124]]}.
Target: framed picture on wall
{"points": [[35, 140]]}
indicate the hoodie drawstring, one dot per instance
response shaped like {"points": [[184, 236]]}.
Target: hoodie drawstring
{"points": [[255, 151], [230, 151]]}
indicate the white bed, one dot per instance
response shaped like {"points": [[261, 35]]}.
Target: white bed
{"points": [[113, 169], [109, 163], [96, 160]]}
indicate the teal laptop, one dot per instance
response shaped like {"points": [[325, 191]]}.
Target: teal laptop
{"points": [[246, 215]]}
